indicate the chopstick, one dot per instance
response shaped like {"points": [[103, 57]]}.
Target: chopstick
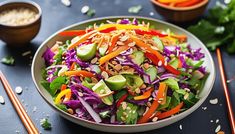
{"points": [[18, 106], [228, 102]]}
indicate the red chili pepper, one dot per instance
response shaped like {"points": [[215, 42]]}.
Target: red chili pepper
{"points": [[121, 100], [108, 30], [155, 61], [188, 3], [151, 32]]}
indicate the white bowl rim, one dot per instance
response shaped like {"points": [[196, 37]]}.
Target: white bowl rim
{"points": [[190, 110]]}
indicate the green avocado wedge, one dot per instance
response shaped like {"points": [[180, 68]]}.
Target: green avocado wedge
{"points": [[86, 52], [116, 82]]}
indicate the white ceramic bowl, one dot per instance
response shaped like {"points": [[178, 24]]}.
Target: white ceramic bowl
{"points": [[38, 64]]}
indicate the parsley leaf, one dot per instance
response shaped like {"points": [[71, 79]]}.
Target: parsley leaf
{"points": [[45, 123], [8, 60]]}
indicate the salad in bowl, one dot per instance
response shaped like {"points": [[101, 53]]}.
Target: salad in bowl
{"points": [[123, 72]]}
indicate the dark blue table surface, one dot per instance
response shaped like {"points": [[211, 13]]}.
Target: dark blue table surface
{"points": [[56, 16]]}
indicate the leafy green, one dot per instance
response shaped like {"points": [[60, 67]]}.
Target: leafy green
{"points": [[62, 107], [218, 29], [168, 101], [175, 100], [172, 83], [8, 60], [135, 9], [45, 123], [56, 84]]}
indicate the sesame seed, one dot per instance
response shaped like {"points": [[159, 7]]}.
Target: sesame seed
{"points": [[217, 129], [2, 101], [155, 119], [217, 120], [18, 90], [151, 13], [80, 94], [94, 60], [204, 108], [181, 127], [211, 121]]}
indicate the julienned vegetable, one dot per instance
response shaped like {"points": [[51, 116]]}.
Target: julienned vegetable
{"points": [[115, 71]]}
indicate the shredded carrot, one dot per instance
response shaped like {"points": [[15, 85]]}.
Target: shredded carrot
{"points": [[81, 39], [112, 55], [72, 66], [181, 38], [171, 112], [145, 118], [145, 95], [114, 40], [81, 73]]}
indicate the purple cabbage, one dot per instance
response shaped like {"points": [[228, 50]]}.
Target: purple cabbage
{"points": [[74, 104], [48, 56], [72, 57], [125, 21]]}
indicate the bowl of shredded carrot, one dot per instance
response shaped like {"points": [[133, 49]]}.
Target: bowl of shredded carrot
{"points": [[180, 10], [123, 74]]}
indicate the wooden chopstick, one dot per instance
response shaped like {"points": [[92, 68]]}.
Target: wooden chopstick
{"points": [[228, 102], [18, 106]]}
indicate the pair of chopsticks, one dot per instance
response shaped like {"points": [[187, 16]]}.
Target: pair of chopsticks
{"points": [[223, 79], [18, 106]]}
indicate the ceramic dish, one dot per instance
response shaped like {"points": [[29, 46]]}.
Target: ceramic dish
{"points": [[38, 64]]}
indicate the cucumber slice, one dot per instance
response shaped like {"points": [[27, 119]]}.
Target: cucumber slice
{"points": [[86, 52], [101, 88], [127, 115], [152, 72], [138, 57], [116, 82], [160, 46], [174, 63]]}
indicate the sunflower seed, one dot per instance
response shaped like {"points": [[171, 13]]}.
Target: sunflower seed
{"points": [[214, 101]]}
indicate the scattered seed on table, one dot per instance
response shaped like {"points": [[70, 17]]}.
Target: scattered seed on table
{"points": [[34, 109], [217, 129], [204, 108], [66, 2], [181, 127], [217, 120], [151, 13], [18, 90], [212, 121], [17, 131], [2, 101], [214, 101], [85, 9], [26, 53]]}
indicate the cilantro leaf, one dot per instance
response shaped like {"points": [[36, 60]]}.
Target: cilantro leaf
{"points": [[8, 60], [56, 84], [45, 123], [135, 9]]}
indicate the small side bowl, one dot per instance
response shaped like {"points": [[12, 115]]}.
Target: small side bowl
{"points": [[18, 36], [180, 14]]}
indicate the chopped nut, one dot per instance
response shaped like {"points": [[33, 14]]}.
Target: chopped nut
{"points": [[214, 101], [131, 44], [70, 111], [120, 43], [146, 65], [159, 63], [154, 48], [105, 75], [131, 70], [118, 67], [124, 105], [125, 67], [155, 119], [114, 62], [143, 86], [93, 61], [149, 104], [124, 38], [137, 90]]}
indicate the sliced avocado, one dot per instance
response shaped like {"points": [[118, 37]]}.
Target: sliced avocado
{"points": [[127, 113], [133, 81], [152, 72], [101, 88], [103, 49], [160, 46], [86, 52], [116, 82], [138, 57]]}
